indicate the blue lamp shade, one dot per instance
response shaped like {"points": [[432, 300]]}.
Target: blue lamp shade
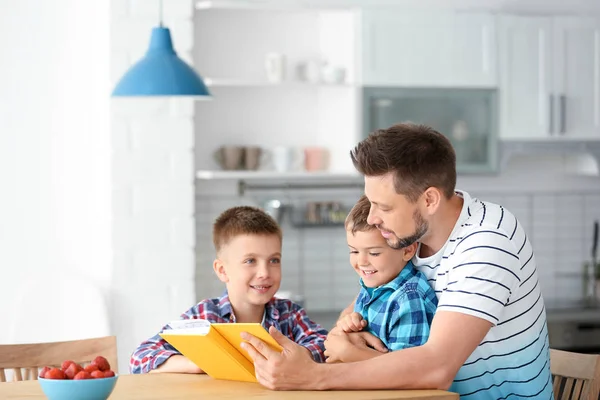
{"points": [[161, 72]]}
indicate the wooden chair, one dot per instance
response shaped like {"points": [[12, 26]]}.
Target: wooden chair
{"points": [[25, 360], [576, 376]]}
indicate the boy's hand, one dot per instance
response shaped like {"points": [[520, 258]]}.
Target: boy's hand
{"points": [[353, 322]]}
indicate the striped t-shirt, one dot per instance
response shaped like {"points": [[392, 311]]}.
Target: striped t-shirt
{"points": [[487, 269]]}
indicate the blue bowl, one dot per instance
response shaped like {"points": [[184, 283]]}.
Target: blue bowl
{"points": [[82, 389]]}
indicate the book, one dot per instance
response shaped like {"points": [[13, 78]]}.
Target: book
{"points": [[216, 347]]}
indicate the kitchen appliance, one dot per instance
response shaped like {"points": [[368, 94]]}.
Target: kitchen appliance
{"points": [[581, 335], [468, 117]]}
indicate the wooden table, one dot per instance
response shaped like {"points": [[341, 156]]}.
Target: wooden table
{"points": [[182, 386]]}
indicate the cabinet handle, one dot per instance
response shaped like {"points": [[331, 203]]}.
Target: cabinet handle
{"points": [[563, 114], [551, 114]]}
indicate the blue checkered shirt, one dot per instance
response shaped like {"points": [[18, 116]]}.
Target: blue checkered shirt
{"points": [[399, 312]]}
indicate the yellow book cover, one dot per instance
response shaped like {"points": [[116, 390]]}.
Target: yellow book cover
{"points": [[216, 348]]}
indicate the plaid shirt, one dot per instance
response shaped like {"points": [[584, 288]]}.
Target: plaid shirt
{"points": [[288, 317], [399, 312]]}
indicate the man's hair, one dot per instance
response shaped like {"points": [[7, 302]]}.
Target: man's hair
{"points": [[356, 221], [418, 156], [243, 220]]}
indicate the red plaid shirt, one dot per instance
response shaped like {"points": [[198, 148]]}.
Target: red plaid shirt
{"points": [[288, 317]]}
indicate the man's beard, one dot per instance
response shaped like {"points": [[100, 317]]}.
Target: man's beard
{"points": [[421, 229]]}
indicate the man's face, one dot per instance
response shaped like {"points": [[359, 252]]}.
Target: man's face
{"points": [[399, 221]]}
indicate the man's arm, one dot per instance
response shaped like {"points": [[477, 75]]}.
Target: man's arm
{"points": [[454, 336], [431, 366]]}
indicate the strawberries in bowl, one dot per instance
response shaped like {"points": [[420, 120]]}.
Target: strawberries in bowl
{"points": [[72, 381]]}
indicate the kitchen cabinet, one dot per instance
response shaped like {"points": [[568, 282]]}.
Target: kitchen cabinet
{"points": [[549, 77], [425, 49]]}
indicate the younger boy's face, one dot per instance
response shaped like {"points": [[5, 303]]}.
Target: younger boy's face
{"points": [[250, 266], [373, 260]]}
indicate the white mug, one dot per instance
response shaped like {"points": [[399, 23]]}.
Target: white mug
{"points": [[283, 159], [275, 67]]}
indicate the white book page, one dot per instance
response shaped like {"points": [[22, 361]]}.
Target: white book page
{"points": [[188, 327]]}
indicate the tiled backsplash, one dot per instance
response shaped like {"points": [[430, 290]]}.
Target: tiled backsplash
{"points": [[315, 260]]}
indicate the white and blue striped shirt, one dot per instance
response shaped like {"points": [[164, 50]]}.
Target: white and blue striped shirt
{"points": [[487, 269]]}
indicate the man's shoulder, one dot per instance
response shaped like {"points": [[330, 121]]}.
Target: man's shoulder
{"points": [[486, 215]]}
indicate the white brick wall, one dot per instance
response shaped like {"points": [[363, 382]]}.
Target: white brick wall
{"points": [[153, 183]]}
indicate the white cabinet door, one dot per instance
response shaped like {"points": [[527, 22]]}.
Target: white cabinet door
{"points": [[577, 76], [525, 55], [418, 49]]}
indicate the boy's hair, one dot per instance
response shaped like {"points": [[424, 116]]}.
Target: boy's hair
{"points": [[243, 220], [356, 221], [418, 156]]}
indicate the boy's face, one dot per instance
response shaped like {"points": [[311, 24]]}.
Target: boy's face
{"points": [[250, 266], [373, 260]]}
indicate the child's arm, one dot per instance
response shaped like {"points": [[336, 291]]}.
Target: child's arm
{"points": [[156, 355], [340, 347], [151, 354], [348, 310], [308, 333], [178, 364]]}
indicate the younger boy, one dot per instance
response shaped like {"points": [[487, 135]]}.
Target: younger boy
{"points": [[248, 246], [395, 303]]}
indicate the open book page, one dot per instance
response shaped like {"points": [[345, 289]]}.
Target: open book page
{"points": [[189, 327]]}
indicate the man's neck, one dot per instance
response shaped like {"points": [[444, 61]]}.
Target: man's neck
{"points": [[441, 226]]}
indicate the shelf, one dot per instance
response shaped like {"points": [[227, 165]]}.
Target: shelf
{"points": [[274, 175], [231, 83], [285, 180]]}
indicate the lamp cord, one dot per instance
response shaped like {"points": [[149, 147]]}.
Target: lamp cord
{"points": [[160, 13]]}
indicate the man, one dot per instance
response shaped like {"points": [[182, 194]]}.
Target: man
{"points": [[489, 338]]}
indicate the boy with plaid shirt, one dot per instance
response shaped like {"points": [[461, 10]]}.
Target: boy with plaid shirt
{"points": [[248, 246], [395, 303]]}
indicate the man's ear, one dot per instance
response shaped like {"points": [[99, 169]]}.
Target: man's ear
{"points": [[432, 197], [408, 252], [219, 269]]}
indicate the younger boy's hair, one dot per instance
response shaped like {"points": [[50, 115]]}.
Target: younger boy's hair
{"points": [[356, 221], [243, 220]]}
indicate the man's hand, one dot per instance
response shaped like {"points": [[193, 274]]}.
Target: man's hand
{"points": [[292, 368], [352, 322], [336, 346]]}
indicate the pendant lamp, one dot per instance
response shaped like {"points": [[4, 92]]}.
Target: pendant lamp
{"points": [[161, 72]]}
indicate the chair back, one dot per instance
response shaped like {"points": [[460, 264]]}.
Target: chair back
{"points": [[25, 360], [575, 376]]}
